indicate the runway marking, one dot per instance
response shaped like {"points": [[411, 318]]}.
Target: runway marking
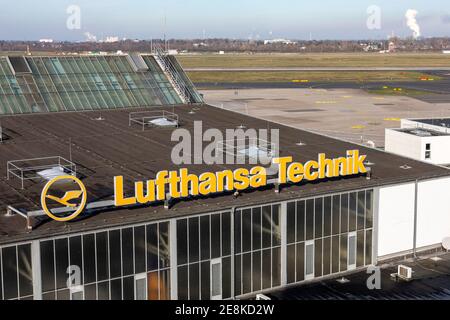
{"points": [[392, 119], [358, 127], [326, 102]]}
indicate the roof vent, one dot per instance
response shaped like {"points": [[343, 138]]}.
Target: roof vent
{"points": [[137, 62], [161, 119], [18, 65], [405, 167]]}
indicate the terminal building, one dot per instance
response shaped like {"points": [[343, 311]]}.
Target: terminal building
{"points": [[99, 117]]}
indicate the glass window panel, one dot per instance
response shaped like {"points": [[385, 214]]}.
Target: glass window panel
{"points": [[290, 224], [164, 284], [182, 281], [369, 209], [291, 263], [128, 288], [318, 214], [276, 230], [327, 216], [351, 250], [103, 290], [215, 236], [237, 275], [204, 238], [360, 249], [115, 256], [310, 219], [267, 269], [89, 258], [76, 256], [164, 246], [309, 259], [139, 250], [318, 258], [205, 281], [226, 278], [47, 266], [246, 230], [361, 210], [62, 262], [336, 214], [141, 289], [9, 261], [194, 281], [352, 212], [300, 221], [127, 251], [49, 296], [344, 212], [276, 267], [237, 231], [193, 239], [116, 289], [266, 226], [256, 274], [63, 295], [343, 252], [335, 247], [102, 256], [246, 273], [152, 247], [300, 261], [368, 247], [90, 292], [226, 234], [153, 285], [181, 241], [256, 222], [326, 256]]}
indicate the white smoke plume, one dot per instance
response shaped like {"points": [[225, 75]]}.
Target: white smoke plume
{"points": [[411, 22], [90, 37]]}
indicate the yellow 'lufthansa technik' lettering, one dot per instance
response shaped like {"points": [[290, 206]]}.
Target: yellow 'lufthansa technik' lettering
{"points": [[182, 184]]}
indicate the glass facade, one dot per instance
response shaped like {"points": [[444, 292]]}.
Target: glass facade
{"points": [[128, 263], [74, 83], [327, 235], [16, 278], [210, 256], [204, 256]]}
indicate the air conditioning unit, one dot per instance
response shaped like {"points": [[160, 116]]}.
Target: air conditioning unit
{"points": [[404, 272]]}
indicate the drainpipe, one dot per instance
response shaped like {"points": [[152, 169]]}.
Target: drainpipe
{"points": [[416, 187]]}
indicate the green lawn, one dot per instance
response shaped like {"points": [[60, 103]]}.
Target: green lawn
{"points": [[310, 76], [315, 60]]}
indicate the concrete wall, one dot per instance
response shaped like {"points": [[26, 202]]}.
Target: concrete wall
{"points": [[396, 215], [403, 144], [414, 147]]}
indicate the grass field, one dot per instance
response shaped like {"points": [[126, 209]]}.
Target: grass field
{"points": [[315, 60], [304, 77]]}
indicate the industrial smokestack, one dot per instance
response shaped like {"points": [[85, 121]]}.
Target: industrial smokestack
{"points": [[411, 22]]}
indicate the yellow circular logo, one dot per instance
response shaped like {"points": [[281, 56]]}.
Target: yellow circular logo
{"points": [[71, 200]]}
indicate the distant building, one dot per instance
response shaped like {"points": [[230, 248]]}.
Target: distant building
{"points": [[421, 139], [111, 39], [46, 40], [282, 41]]}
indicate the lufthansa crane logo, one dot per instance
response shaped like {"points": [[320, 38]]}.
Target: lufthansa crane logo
{"points": [[71, 202]]}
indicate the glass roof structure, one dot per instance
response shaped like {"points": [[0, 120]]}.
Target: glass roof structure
{"points": [[75, 83]]}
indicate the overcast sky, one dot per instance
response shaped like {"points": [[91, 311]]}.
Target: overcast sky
{"points": [[242, 19]]}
